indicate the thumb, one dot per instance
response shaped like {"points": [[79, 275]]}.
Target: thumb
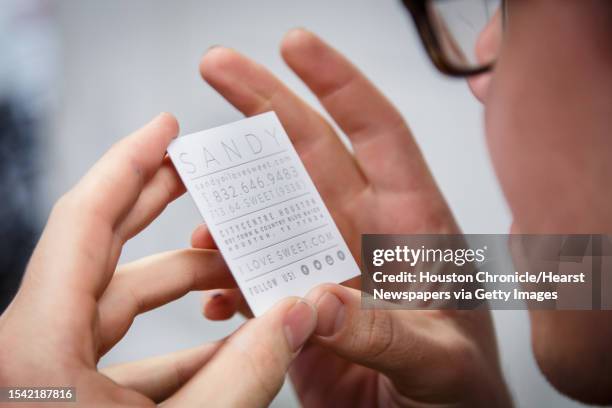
{"points": [[254, 360], [453, 352], [390, 341]]}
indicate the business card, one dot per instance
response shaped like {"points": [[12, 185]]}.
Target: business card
{"points": [[262, 209]]}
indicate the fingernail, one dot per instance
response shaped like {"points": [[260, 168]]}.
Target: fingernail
{"points": [[161, 120], [299, 323], [213, 297], [298, 28], [160, 115], [156, 118], [330, 312], [213, 47]]}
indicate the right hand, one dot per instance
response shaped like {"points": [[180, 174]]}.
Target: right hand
{"points": [[358, 356], [74, 304]]}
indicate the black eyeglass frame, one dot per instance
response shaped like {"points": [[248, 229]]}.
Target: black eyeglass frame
{"points": [[418, 11]]}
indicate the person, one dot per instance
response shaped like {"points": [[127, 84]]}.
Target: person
{"points": [[74, 305], [548, 115], [547, 104]]}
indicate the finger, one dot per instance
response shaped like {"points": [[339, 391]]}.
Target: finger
{"points": [[391, 341], [164, 187], [381, 140], [222, 304], [154, 281], [254, 360], [219, 305], [82, 224], [111, 187], [252, 89], [159, 377], [201, 238]]}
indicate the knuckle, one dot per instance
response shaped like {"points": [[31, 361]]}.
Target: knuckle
{"points": [[84, 217], [318, 291], [64, 205], [68, 210], [172, 186], [376, 337], [137, 169], [75, 204], [194, 272]]}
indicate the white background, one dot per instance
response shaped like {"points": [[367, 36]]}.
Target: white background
{"points": [[122, 62]]}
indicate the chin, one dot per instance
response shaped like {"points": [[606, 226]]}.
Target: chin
{"points": [[573, 349]]}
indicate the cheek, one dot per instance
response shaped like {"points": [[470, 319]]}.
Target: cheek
{"points": [[548, 112], [550, 146], [505, 140], [527, 154]]}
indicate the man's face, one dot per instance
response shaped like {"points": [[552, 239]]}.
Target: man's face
{"points": [[548, 113]]}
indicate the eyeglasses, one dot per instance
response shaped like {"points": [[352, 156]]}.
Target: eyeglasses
{"points": [[462, 37]]}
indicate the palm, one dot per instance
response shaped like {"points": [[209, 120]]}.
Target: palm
{"points": [[359, 207]]}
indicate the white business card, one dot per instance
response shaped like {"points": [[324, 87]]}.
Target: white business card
{"points": [[262, 209]]}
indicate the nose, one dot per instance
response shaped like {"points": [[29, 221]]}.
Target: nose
{"points": [[487, 51]]}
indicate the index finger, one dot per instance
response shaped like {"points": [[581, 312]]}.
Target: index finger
{"points": [[382, 142], [114, 183], [83, 224], [253, 89]]}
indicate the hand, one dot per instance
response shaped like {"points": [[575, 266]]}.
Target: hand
{"points": [[362, 357], [73, 306]]}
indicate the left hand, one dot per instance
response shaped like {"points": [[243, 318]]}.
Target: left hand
{"points": [[362, 357]]}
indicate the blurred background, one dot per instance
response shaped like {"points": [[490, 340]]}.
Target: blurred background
{"points": [[76, 75]]}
